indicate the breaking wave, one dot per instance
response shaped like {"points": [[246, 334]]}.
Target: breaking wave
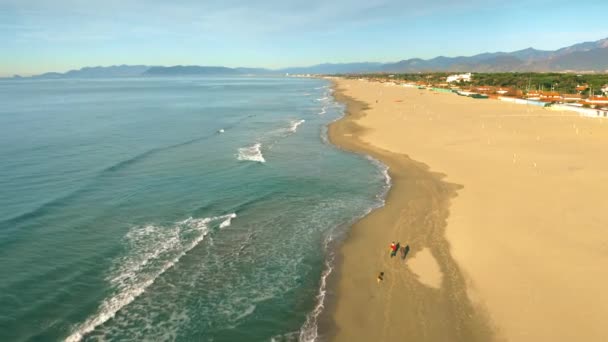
{"points": [[251, 153], [310, 330], [295, 124], [152, 250]]}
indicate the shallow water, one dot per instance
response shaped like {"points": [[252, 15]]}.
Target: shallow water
{"points": [[170, 208]]}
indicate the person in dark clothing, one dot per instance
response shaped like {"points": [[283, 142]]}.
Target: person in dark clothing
{"points": [[395, 250]]}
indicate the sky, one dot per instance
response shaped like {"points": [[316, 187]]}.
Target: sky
{"points": [[38, 36]]}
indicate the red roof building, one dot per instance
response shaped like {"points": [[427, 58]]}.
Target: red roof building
{"points": [[571, 97], [550, 95], [597, 100]]}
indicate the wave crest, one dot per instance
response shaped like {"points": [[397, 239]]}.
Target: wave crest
{"points": [[152, 250], [252, 153], [295, 124]]}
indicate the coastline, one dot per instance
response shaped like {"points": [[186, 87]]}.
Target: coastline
{"points": [[510, 244], [415, 211]]}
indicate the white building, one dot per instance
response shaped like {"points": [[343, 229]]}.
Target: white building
{"points": [[458, 78]]}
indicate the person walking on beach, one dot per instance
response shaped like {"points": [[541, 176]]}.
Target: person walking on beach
{"points": [[394, 249], [380, 277]]}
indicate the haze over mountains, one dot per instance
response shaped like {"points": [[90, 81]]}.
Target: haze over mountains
{"points": [[583, 57]]}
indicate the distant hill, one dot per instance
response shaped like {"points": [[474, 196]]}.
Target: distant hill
{"points": [[590, 60], [193, 70], [99, 72], [146, 70], [329, 68], [582, 57]]}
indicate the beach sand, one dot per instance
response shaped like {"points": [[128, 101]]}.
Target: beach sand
{"points": [[504, 207]]}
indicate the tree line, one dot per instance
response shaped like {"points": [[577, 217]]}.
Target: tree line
{"points": [[525, 81]]}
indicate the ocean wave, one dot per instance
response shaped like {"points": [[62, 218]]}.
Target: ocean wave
{"points": [[228, 221], [323, 111], [310, 330], [295, 124], [152, 250], [122, 164], [383, 169], [245, 313], [287, 337], [324, 98], [60, 201], [44, 208], [387, 179], [251, 153]]}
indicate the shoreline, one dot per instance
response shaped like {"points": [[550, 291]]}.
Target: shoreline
{"points": [[415, 192], [516, 252]]}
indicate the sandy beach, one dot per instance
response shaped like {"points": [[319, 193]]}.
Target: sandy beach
{"points": [[503, 206]]}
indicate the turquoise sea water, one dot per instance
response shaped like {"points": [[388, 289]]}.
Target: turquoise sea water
{"points": [[171, 209]]}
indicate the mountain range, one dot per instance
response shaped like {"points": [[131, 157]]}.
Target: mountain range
{"points": [[583, 57]]}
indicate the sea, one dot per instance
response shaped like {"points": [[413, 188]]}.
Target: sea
{"points": [[172, 209]]}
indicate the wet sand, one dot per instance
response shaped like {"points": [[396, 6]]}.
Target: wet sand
{"points": [[506, 224]]}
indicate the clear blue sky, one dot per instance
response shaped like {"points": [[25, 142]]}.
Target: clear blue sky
{"points": [[56, 35]]}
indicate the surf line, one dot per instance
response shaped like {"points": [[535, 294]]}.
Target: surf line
{"points": [[110, 307]]}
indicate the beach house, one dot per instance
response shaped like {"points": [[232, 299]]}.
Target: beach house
{"points": [[550, 96], [582, 87], [484, 90], [598, 101], [533, 95], [571, 97], [459, 78]]}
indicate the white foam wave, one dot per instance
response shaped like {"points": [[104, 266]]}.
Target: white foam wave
{"points": [[383, 168], [252, 153], [287, 337], [323, 111], [295, 124], [309, 331], [322, 87], [228, 221], [387, 179], [324, 98], [387, 176], [246, 313], [153, 251]]}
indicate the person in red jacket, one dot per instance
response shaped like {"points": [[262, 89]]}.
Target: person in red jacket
{"points": [[393, 249]]}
